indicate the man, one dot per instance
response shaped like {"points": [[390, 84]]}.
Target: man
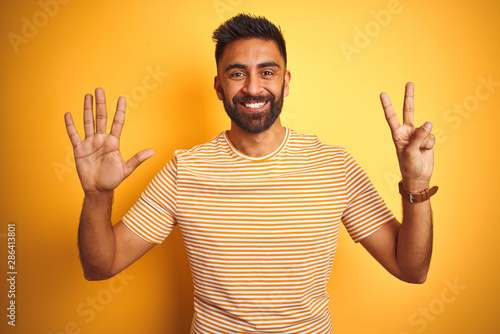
{"points": [[260, 205]]}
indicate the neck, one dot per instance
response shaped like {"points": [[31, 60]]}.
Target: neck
{"points": [[257, 144]]}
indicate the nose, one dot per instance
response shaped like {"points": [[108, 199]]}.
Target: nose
{"points": [[253, 85]]}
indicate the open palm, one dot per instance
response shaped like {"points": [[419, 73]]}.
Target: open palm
{"points": [[98, 160]]}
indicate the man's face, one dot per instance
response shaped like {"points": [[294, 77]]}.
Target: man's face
{"points": [[252, 81]]}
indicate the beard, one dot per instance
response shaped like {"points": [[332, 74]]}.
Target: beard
{"points": [[254, 122]]}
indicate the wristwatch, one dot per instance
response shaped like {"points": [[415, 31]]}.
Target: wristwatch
{"points": [[417, 197]]}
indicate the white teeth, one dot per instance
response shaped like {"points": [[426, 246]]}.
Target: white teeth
{"points": [[255, 105]]}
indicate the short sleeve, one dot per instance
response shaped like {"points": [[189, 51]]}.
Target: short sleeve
{"points": [[153, 215], [366, 211]]}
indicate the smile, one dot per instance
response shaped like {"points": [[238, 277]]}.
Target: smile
{"points": [[254, 105]]}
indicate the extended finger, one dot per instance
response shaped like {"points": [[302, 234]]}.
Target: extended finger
{"points": [[101, 113], [88, 116], [390, 114], [419, 137], [408, 106], [119, 119], [74, 137], [136, 160]]}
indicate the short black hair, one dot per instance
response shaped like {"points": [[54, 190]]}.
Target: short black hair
{"points": [[243, 26]]}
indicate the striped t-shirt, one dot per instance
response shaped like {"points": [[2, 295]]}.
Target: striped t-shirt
{"points": [[260, 233]]}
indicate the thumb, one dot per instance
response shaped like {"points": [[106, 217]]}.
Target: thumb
{"points": [[420, 136], [134, 162]]}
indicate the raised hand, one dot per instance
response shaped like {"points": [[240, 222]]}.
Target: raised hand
{"points": [[98, 160], [414, 146]]}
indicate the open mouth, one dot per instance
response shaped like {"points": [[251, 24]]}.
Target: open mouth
{"points": [[253, 105]]}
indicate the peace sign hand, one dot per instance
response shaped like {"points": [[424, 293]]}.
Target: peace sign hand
{"points": [[98, 160], [414, 147]]}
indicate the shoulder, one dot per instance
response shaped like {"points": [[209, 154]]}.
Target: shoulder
{"points": [[311, 144], [214, 147]]}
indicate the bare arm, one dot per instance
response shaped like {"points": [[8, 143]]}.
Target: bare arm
{"points": [[405, 249], [105, 250]]}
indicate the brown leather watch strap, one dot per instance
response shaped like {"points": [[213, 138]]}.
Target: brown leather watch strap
{"points": [[417, 197]]}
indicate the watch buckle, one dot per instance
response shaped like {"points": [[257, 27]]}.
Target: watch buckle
{"points": [[411, 198]]}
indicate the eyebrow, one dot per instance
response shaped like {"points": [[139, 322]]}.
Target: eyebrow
{"points": [[261, 65]]}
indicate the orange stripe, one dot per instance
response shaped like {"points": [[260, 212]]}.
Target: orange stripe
{"points": [[238, 214]]}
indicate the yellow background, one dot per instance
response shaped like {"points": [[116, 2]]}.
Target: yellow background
{"points": [[448, 48]]}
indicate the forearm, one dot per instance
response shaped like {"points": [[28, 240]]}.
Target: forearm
{"points": [[96, 240], [414, 243]]}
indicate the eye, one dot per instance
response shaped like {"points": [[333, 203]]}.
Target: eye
{"points": [[267, 73], [237, 75]]}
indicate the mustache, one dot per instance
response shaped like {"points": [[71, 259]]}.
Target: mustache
{"points": [[249, 98]]}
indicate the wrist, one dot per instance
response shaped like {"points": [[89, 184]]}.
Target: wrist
{"points": [[414, 185], [416, 196], [98, 196], [97, 206]]}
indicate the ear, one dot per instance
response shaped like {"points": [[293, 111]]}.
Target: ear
{"points": [[217, 87], [288, 76]]}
